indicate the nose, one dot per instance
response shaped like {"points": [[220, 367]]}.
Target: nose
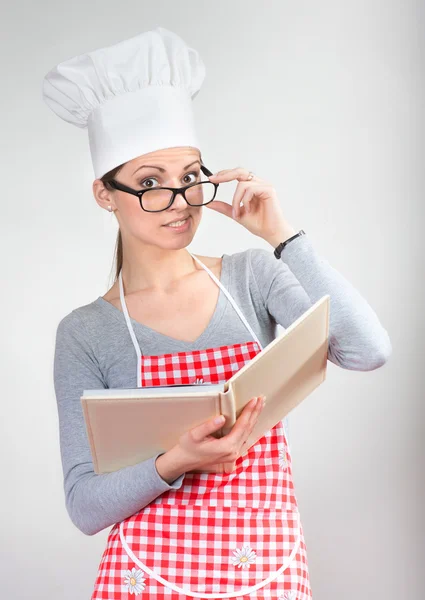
{"points": [[179, 201]]}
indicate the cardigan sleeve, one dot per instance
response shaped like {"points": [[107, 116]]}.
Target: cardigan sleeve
{"points": [[290, 285], [93, 501]]}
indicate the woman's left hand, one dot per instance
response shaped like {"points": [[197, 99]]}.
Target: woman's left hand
{"points": [[261, 213]]}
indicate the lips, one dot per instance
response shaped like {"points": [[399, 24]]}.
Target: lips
{"points": [[176, 221]]}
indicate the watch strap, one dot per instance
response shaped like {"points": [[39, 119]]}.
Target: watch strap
{"points": [[281, 246]]}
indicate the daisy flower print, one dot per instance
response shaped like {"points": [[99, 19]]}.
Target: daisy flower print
{"points": [[283, 463], [134, 581], [290, 595], [244, 557]]}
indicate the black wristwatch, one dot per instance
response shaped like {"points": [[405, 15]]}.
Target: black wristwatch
{"points": [[278, 249]]}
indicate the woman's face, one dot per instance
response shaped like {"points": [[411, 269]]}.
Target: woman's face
{"points": [[171, 167]]}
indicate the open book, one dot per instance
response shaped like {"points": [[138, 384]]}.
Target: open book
{"points": [[126, 426]]}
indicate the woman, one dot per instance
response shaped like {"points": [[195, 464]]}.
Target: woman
{"points": [[176, 533]]}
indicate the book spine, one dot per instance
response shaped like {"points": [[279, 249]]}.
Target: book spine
{"points": [[89, 431], [227, 408]]}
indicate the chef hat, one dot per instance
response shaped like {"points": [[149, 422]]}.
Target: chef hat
{"points": [[134, 97]]}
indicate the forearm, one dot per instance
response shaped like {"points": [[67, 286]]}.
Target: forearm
{"points": [[289, 286], [98, 501], [94, 501], [357, 339]]}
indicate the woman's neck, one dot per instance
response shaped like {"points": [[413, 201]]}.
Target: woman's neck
{"points": [[159, 270]]}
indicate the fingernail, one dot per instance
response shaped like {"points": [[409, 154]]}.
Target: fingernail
{"points": [[219, 419]]}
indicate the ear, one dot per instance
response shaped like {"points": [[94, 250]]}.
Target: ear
{"points": [[103, 196]]}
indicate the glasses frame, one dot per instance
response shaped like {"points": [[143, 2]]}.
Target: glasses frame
{"points": [[182, 190]]}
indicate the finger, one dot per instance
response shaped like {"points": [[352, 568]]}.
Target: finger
{"points": [[239, 173], [239, 428], [262, 192], [252, 421], [252, 414], [237, 198], [247, 193], [227, 171], [228, 467], [204, 429], [222, 207], [246, 199], [257, 410]]}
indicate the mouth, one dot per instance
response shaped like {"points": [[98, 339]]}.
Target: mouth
{"points": [[178, 223]]}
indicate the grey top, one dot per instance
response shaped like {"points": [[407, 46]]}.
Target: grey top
{"points": [[94, 350]]}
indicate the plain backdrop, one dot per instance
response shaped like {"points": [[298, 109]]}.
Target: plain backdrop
{"points": [[325, 100]]}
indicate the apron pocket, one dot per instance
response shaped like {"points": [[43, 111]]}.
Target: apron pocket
{"points": [[212, 551]]}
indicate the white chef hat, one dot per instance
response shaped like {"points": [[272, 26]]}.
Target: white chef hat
{"points": [[134, 97]]}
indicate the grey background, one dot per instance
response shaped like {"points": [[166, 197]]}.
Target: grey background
{"points": [[323, 99]]}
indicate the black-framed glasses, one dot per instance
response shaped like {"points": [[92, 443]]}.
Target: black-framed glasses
{"points": [[158, 199]]}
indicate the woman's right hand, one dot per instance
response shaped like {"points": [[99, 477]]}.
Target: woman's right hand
{"points": [[198, 449]]}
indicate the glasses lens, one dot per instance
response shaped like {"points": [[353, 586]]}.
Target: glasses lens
{"points": [[156, 199], [198, 194], [201, 193]]}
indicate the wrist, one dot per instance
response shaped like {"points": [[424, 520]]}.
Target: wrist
{"points": [[169, 465], [280, 236]]}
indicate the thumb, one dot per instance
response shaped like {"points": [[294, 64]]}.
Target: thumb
{"points": [[228, 467], [205, 429], [222, 207], [215, 423]]}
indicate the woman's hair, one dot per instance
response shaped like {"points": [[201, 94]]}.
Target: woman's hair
{"points": [[118, 245]]}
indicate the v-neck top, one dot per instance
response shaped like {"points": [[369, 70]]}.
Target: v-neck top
{"points": [[222, 288], [144, 332], [93, 349]]}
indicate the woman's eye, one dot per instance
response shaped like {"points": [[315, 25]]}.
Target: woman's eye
{"points": [[195, 177], [146, 182]]}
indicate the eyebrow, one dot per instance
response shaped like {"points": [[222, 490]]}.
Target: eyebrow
{"points": [[164, 170]]}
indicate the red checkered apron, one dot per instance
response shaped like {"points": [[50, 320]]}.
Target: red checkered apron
{"points": [[220, 535]]}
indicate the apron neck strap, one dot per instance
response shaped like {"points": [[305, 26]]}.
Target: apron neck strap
{"points": [[131, 330], [231, 300]]}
